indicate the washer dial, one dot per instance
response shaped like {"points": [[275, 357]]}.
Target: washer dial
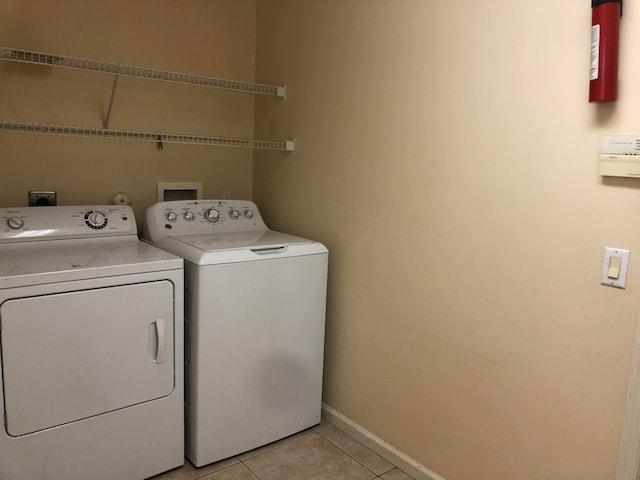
{"points": [[234, 214], [171, 216], [248, 213], [212, 215], [188, 216]]}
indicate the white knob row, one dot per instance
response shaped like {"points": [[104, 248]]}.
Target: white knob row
{"points": [[173, 216], [212, 215]]}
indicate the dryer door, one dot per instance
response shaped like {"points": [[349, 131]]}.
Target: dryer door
{"points": [[70, 356]]}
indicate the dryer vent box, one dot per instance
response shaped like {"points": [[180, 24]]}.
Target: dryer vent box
{"points": [[171, 191], [43, 198]]}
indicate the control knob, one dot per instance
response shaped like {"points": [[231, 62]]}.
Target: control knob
{"points": [[188, 216], [96, 220], [212, 215], [234, 214], [171, 216], [248, 213], [15, 223]]}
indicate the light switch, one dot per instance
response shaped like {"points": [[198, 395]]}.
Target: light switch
{"points": [[614, 268]]}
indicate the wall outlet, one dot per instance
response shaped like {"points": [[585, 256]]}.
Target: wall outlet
{"points": [[43, 198]]}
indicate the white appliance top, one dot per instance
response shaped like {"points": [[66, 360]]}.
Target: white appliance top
{"points": [[41, 245], [220, 231]]}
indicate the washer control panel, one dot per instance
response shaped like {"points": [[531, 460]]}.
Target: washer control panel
{"points": [[201, 216], [61, 222]]}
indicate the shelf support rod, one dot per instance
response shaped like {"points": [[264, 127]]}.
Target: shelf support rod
{"points": [[113, 93]]}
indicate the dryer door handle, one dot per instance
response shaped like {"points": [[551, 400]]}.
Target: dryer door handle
{"points": [[161, 335]]}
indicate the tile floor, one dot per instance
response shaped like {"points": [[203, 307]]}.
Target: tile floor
{"points": [[320, 453]]}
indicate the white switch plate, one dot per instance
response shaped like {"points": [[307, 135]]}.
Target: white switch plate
{"points": [[621, 281]]}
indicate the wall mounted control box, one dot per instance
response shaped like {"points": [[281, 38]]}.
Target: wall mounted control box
{"points": [[620, 156]]}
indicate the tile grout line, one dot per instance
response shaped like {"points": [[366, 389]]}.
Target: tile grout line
{"points": [[285, 444], [249, 468], [405, 464], [318, 434], [311, 431], [215, 471], [348, 454]]}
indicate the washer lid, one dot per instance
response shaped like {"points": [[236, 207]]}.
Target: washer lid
{"points": [[234, 247], [259, 239]]}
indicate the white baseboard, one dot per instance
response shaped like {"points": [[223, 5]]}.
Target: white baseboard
{"points": [[389, 453]]}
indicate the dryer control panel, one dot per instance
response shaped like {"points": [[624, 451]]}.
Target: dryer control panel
{"points": [[21, 224], [201, 216]]}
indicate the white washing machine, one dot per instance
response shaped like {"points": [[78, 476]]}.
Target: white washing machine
{"points": [[255, 318], [91, 346]]}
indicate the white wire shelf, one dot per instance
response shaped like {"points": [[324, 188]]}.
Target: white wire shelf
{"points": [[157, 137], [49, 59]]}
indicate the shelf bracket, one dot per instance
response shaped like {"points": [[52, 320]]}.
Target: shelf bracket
{"points": [[113, 93], [281, 91], [290, 145]]}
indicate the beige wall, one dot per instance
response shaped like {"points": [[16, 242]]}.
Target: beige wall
{"points": [[208, 37], [447, 156]]}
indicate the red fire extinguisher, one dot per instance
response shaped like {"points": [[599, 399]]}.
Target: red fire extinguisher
{"points": [[605, 28]]}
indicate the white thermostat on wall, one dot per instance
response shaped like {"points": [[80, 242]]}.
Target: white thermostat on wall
{"points": [[620, 156]]}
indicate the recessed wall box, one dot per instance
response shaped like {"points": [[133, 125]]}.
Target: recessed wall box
{"points": [[43, 198], [620, 156], [169, 191]]}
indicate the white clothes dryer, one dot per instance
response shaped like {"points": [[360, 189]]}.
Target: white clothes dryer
{"points": [[255, 319], [91, 346]]}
